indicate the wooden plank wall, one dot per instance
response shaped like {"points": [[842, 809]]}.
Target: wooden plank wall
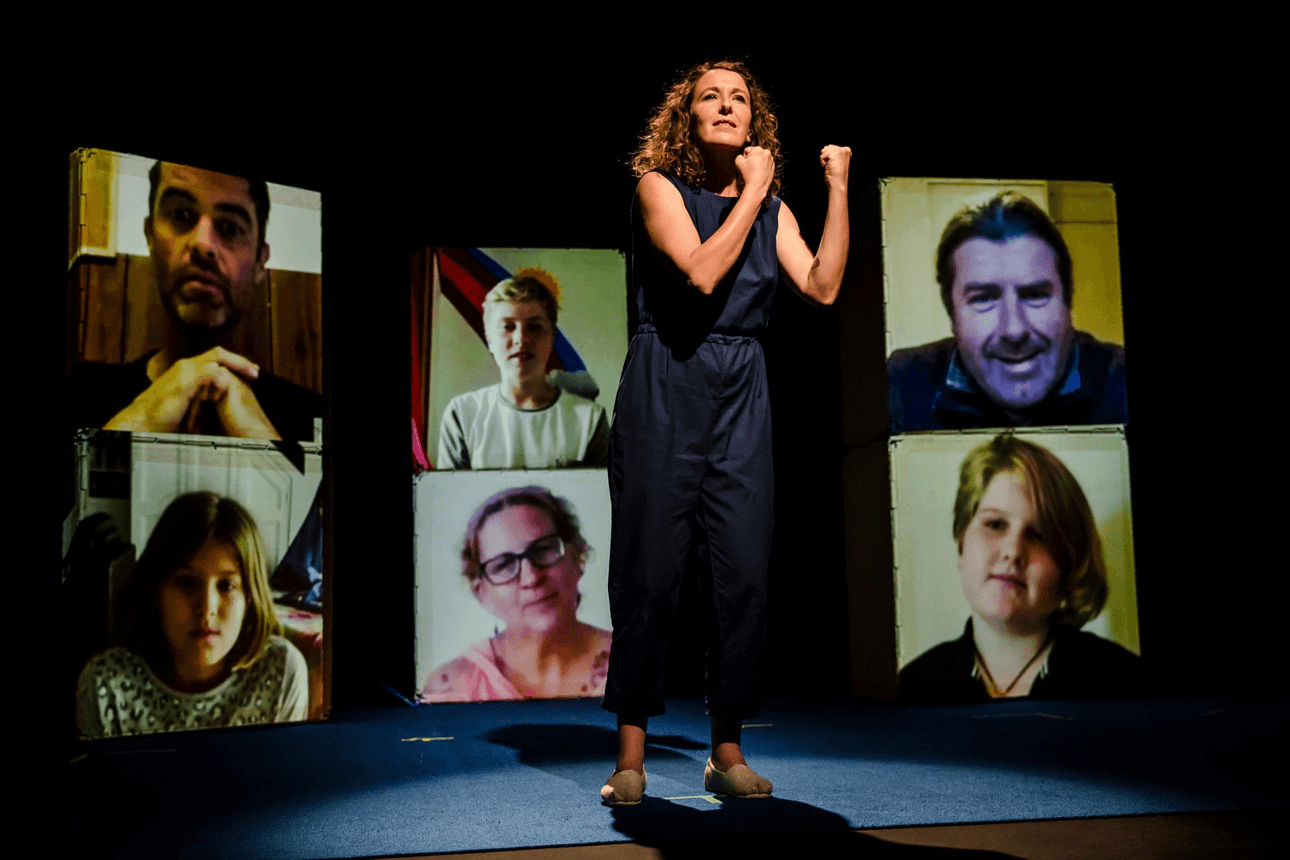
{"points": [[119, 318]]}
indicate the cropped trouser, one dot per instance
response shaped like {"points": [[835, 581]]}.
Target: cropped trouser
{"points": [[689, 447]]}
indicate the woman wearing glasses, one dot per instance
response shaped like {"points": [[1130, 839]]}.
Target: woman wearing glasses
{"points": [[523, 557]]}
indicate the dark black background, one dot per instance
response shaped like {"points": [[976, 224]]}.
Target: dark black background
{"points": [[528, 148]]}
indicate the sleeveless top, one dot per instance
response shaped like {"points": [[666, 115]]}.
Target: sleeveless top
{"points": [[659, 300]]}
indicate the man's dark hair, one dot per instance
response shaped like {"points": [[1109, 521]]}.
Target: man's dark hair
{"points": [[259, 191], [1005, 216]]}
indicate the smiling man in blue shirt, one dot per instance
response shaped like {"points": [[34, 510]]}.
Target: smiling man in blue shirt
{"points": [[1015, 358]]}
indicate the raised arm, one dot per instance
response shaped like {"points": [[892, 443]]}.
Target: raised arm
{"points": [[704, 264], [819, 277]]}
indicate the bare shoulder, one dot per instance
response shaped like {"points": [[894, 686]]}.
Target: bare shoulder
{"points": [[655, 190], [653, 180]]}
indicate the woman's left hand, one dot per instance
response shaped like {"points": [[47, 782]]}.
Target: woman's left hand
{"points": [[836, 161]]}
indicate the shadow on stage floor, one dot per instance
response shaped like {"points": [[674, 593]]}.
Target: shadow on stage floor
{"points": [[526, 775]]}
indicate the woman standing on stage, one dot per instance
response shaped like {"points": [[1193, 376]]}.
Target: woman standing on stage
{"points": [[690, 444]]}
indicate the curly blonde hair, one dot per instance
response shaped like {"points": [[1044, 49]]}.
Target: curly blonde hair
{"points": [[668, 143]]}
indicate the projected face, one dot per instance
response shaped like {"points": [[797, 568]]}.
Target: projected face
{"points": [[204, 239], [202, 607], [520, 337], [1008, 575], [1012, 325], [542, 598], [721, 110]]}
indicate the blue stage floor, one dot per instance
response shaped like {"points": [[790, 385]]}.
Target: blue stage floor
{"points": [[453, 778]]}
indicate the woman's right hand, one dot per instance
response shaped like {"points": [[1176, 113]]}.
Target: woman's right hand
{"points": [[757, 169]]}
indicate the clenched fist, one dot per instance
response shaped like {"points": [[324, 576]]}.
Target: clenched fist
{"points": [[836, 161], [757, 169]]}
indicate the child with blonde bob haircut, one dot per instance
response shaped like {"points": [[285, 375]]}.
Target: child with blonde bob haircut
{"points": [[1032, 570], [1064, 517]]}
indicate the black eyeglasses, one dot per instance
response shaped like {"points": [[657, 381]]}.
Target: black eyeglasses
{"points": [[505, 568]]}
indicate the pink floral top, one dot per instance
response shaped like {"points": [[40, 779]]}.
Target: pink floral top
{"points": [[476, 676]]}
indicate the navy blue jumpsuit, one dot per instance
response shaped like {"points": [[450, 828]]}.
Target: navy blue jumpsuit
{"points": [[690, 448]]}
